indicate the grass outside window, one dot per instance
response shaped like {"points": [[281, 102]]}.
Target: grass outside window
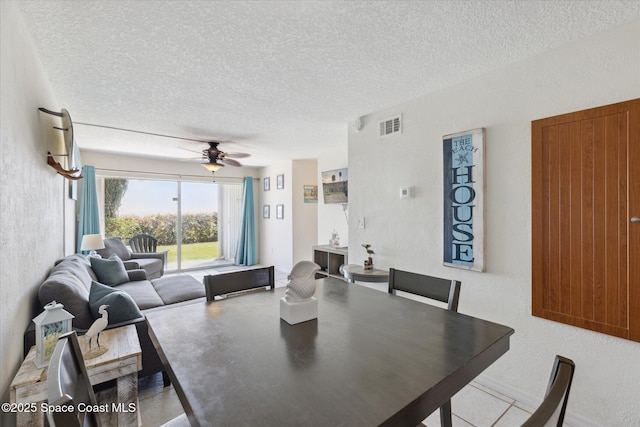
{"points": [[191, 252]]}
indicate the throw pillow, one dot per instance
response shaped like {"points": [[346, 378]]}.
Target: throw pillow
{"points": [[109, 271], [121, 306], [115, 245]]}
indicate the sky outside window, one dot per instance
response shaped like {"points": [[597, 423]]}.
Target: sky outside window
{"points": [[144, 197]]}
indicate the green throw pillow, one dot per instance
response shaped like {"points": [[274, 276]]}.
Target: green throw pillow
{"points": [[121, 306], [109, 271]]}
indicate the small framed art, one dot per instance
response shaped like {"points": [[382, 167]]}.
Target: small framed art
{"points": [[310, 194], [280, 181], [266, 211], [266, 184], [280, 211]]}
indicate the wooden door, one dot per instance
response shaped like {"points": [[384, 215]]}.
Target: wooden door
{"points": [[585, 245]]}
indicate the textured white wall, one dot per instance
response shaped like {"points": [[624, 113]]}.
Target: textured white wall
{"points": [[407, 234], [305, 215], [32, 214], [331, 216], [276, 235], [283, 242]]}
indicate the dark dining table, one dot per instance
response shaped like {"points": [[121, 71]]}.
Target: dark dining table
{"points": [[370, 358]]}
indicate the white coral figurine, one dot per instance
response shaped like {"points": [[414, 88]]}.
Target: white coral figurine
{"points": [[302, 282]]}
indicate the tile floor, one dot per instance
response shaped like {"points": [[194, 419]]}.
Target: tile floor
{"points": [[474, 406], [479, 406]]}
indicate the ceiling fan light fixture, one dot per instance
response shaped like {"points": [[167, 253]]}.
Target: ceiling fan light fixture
{"points": [[212, 166]]}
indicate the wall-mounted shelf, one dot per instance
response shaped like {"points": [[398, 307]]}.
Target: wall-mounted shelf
{"points": [[71, 150], [330, 258]]}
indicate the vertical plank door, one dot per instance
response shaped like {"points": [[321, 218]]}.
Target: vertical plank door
{"points": [[586, 219]]}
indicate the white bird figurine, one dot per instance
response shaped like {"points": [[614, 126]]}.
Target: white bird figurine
{"points": [[98, 326]]}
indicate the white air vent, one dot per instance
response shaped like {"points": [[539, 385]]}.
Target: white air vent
{"points": [[391, 126]]}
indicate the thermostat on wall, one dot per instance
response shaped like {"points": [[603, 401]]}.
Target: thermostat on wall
{"points": [[406, 192]]}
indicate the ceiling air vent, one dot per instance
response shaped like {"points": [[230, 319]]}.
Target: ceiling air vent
{"points": [[391, 126]]}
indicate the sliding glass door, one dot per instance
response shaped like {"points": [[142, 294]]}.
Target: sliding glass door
{"points": [[194, 221], [199, 220]]}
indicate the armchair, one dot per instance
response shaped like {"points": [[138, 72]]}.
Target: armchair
{"points": [[153, 262], [143, 243]]}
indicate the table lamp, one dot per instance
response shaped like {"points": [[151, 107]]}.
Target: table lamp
{"points": [[91, 242]]}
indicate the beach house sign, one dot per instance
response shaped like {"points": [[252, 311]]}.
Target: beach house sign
{"points": [[463, 193]]}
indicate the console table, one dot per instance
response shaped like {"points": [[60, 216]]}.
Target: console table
{"points": [[122, 363], [330, 259]]}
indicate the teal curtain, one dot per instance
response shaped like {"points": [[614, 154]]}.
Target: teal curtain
{"points": [[246, 252], [89, 220]]}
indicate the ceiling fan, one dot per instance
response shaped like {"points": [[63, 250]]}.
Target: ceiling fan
{"points": [[217, 159]]}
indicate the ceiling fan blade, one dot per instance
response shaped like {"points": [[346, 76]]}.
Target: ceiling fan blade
{"points": [[191, 151], [191, 159], [237, 155], [230, 162]]}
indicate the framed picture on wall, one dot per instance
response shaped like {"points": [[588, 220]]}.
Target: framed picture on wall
{"points": [[280, 211], [266, 211], [463, 193], [266, 184], [335, 186], [310, 194], [280, 182]]}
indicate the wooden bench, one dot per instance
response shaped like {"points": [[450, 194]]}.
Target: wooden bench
{"points": [[237, 281]]}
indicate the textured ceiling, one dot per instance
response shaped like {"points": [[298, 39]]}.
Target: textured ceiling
{"points": [[281, 79]]}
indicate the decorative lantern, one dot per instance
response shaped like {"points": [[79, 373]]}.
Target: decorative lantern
{"points": [[50, 324]]}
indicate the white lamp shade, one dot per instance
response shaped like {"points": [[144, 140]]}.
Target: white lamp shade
{"points": [[212, 166], [91, 242]]}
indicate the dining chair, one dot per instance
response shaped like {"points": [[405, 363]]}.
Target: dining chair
{"points": [[238, 281], [554, 405], [443, 290], [68, 385]]}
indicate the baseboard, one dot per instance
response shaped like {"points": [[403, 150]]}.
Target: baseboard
{"points": [[528, 399]]}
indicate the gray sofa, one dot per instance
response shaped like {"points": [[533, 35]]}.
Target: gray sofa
{"points": [[69, 283]]}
